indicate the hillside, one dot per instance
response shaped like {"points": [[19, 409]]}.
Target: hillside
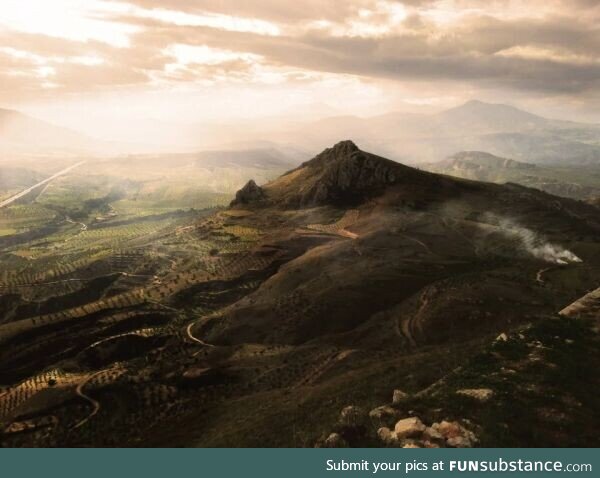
{"points": [[574, 182], [329, 287], [341, 175]]}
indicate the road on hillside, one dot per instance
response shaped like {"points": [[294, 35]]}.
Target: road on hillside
{"points": [[11, 199], [95, 403]]}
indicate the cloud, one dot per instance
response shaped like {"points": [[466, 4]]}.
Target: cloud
{"points": [[481, 50], [270, 10], [542, 47]]}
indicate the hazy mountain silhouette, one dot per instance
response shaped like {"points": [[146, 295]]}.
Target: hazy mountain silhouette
{"points": [[569, 181], [20, 133], [499, 129]]}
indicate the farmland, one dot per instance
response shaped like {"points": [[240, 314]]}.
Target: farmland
{"points": [[96, 264]]}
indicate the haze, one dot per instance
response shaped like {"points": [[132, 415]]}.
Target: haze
{"points": [[165, 73]]}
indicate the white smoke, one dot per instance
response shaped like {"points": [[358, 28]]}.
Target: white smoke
{"points": [[533, 243]]}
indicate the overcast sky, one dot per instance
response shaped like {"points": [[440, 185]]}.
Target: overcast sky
{"points": [[80, 62]]}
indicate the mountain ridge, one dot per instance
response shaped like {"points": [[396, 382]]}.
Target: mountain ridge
{"points": [[574, 182], [24, 134], [342, 174]]}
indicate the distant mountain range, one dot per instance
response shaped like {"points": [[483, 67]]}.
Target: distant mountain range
{"points": [[22, 134], [499, 129]]}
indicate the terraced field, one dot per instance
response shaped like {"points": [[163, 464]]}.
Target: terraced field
{"points": [[113, 258]]}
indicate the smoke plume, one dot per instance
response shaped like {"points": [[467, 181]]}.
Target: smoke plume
{"points": [[532, 243]]}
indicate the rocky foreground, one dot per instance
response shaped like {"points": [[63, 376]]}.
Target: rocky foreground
{"points": [[392, 431]]}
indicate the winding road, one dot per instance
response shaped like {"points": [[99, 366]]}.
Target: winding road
{"points": [[12, 199], [70, 221], [188, 331], [95, 403], [539, 277], [420, 243]]}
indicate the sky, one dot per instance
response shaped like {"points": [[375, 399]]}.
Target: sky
{"points": [[99, 64]]}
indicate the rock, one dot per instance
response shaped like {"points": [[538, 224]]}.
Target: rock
{"points": [[195, 372], [335, 440], [433, 435], [459, 442], [399, 396], [447, 429], [480, 394], [409, 427], [387, 436], [251, 192], [501, 338], [430, 444], [353, 417], [455, 434], [384, 415], [31, 424], [411, 444]]}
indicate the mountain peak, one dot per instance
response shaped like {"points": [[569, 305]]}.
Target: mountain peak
{"points": [[339, 151], [481, 107], [345, 147], [342, 174]]}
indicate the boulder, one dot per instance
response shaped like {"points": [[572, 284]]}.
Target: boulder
{"points": [[433, 435], [384, 415], [353, 417], [399, 396], [387, 436], [335, 440], [455, 434], [459, 442], [411, 444], [430, 444], [479, 394], [409, 428]]}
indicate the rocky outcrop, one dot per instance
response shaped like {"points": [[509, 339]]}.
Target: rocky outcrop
{"points": [[399, 396], [343, 175], [413, 433], [409, 427], [250, 193], [347, 174], [479, 394], [455, 434], [389, 430]]}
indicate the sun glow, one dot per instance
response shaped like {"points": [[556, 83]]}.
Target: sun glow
{"points": [[70, 19]]}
